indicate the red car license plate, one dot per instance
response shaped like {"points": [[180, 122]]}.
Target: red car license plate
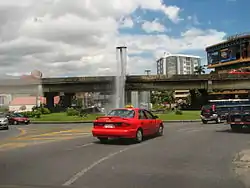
{"points": [[109, 126]]}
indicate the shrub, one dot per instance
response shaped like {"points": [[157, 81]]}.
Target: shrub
{"points": [[82, 113], [33, 114], [37, 114], [27, 114], [45, 111], [178, 112], [72, 112]]}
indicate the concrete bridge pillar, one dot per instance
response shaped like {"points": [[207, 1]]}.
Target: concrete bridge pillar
{"points": [[194, 99], [66, 100], [139, 99], [204, 96], [135, 99], [128, 97], [50, 99]]}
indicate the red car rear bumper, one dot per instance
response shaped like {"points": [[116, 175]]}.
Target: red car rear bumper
{"points": [[114, 133]]}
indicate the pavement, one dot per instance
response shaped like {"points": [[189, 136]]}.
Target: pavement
{"points": [[12, 132], [91, 121], [190, 155]]}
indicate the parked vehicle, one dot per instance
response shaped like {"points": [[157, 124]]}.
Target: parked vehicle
{"points": [[16, 118], [209, 113], [218, 110], [4, 123], [239, 117], [131, 123]]}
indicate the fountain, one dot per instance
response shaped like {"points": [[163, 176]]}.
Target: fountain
{"points": [[120, 79]]}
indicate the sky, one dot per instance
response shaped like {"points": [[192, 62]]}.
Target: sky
{"points": [[79, 37]]}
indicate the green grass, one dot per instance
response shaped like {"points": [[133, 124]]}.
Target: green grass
{"points": [[187, 115], [63, 117]]}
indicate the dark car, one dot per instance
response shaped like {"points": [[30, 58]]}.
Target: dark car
{"points": [[16, 118], [239, 117], [209, 113]]}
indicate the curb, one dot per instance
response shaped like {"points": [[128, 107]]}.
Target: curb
{"points": [[78, 122]]}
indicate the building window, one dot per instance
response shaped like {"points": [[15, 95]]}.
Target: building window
{"points": [[1, 100]]}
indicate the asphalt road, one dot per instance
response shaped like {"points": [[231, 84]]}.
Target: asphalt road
{"points": [[12, 132], [189, 155]]}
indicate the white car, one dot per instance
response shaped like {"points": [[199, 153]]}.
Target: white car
{"points": [[4, 122]]}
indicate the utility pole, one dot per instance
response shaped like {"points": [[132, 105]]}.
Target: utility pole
{"points": [[148, 71]]}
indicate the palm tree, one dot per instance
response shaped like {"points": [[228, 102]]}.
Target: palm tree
{"points": [[199, 69]]}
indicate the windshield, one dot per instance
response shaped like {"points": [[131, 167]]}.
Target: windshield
{"points": [[127, 113], [18, 115], [2, 116]]}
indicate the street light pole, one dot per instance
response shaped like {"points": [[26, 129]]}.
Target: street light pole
{"points": [[147, 71]]}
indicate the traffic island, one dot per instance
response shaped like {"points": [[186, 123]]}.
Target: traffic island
{"points": [[62, 118]]}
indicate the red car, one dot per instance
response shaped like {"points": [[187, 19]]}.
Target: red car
{"points": [[132, 123], [15, 119]]}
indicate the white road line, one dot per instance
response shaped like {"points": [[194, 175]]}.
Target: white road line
{"points": [[191, 131], [80, 146], [84, 145], [85, 170]]}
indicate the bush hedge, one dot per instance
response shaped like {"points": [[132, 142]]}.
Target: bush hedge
{"points": [[178, 112], [36, 112], [76, 112]]}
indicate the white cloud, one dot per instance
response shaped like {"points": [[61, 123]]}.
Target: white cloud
{"points": [[153, 26], [78, 37], [194, 19], [193, 39], [173, 13], [126, 22]]}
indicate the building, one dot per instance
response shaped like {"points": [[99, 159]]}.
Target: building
{"points": [[28, 102], [172, 64], [5, 100], [233, 53]]}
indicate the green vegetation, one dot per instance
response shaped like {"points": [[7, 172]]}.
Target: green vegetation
{"points": [[70, 116], [180, 115], [36, 112], [64, 117]]}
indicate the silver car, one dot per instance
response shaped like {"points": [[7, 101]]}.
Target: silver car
{"points": [[4, 122]]}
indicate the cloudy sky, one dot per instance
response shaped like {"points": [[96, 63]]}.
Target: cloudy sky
{"points": [[78, 37]]}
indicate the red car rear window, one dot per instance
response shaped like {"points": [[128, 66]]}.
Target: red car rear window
{"points": [[125, 113]]}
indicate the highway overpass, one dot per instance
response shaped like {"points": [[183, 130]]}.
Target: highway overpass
{"points": [[136, 83], [143, 83]]}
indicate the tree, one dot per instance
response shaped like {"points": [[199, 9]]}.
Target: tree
{"points": [[199, 69], [159, 97]]}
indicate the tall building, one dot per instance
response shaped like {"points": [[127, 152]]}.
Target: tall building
{"points": [[172, 64], [233, 53]]}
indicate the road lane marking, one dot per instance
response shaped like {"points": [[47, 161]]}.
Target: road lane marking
{"points": [[85, 170], [22, 132], [84, 145], [80, 146], [11, 146]]}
